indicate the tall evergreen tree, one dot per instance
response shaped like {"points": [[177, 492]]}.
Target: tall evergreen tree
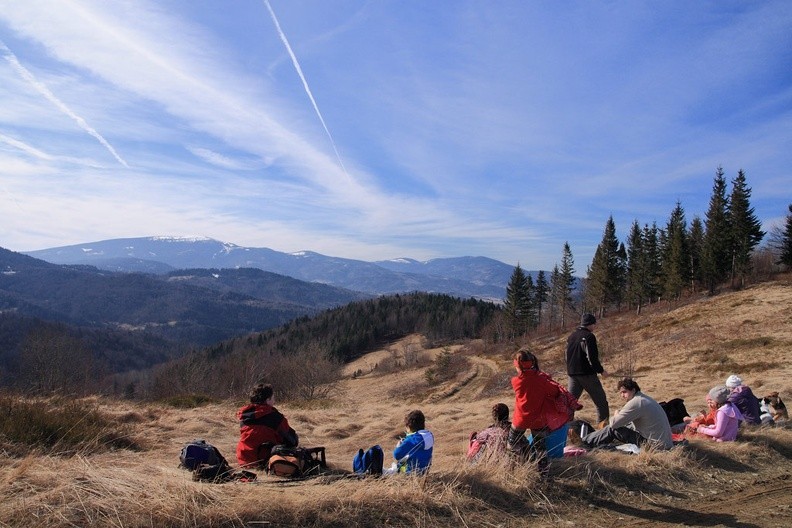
{"points": [[555, 287], [621, 276], [516, 306], [651, 262], [746, 232], [786, 241], [532, 317], [602, 286], [676, 256], [542, 290], [696, 241], [716, 253], [567, 281], [636, 267]]}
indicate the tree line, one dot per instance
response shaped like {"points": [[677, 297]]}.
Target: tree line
{"points": [[656, 263]]}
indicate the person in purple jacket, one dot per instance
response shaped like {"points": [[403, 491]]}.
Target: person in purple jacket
{"points": [[727, 418], [743, 398]]}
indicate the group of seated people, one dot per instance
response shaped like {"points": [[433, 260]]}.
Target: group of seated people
{"points": [[262, 426], [641, 421]]}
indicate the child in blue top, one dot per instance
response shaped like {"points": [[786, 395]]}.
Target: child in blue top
{"points": [[414, 453]]}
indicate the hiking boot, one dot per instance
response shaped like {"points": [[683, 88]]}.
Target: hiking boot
{"points": [[602, 424]]}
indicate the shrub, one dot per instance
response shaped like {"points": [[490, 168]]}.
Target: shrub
{"points": [[58, 426]]}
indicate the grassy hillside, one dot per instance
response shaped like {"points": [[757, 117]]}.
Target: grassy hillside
{"points": [[673, 352]]}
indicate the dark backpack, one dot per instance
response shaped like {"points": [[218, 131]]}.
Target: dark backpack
{"points": [[368, 462], [200, 452], [675, 410]]}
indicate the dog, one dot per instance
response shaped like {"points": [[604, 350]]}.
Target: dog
{"points": [[776, 407], [764, 413]]}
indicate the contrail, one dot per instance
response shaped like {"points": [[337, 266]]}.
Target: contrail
{"points": [[25, 73], [305, 83]]}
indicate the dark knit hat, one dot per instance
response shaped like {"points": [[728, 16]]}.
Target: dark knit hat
{"points": [[588, 319]]}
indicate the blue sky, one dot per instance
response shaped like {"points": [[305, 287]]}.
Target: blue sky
{"points": [[383, 129]]}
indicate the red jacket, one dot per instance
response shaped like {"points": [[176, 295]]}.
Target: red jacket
{"points": [[535, 401], [261, 427]]}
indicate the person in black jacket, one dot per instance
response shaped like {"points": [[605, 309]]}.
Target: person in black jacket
{"points": [[583, 366]]}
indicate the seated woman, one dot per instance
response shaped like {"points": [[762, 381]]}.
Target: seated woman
{"points": [[727, 419], [536, 408], [491, 442], [261, 426]]}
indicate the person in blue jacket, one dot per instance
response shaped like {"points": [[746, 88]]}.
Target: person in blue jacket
{"points": [[414, 453]]}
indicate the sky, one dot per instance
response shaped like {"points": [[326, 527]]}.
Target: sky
{"points": [[384, 129]]}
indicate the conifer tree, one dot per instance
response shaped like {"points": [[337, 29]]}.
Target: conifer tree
{"points": [[602, 286], [716, 253], [786, 241], [516, 306], [696, 242], [566, 282], [675, 259], [651, 262], [636, 267], [540, 297], [746, 232], [555, 286]]}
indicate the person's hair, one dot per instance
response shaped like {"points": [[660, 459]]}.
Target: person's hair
{"points": [[261, 393], [628, 384], [500, 412], [525, 356], [415, 420]]}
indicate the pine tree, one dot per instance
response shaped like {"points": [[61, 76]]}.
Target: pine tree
{"points": [[555, 287], [716, 254], [636, 267], [786, 241], [540, 298], [567, 281], [516, 305], [602, 288], [675, 258], [746, 232], [696, 241], [651, 262]]}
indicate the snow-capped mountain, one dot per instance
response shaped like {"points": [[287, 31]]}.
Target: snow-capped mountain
{"points": [[479, 277]]}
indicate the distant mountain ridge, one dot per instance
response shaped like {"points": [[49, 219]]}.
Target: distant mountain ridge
{"points": [[479, 277], [192, 307]]}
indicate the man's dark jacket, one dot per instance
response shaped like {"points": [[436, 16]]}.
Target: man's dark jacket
{"points": [[582, 355]]}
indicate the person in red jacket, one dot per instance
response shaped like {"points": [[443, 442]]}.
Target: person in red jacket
{"points": [[537, 406], [261, 426]]}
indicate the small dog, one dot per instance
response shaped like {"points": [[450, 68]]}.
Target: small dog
{"points": [[776, 407]]}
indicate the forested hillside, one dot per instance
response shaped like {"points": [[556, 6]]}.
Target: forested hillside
{"points": [[310, 347]]}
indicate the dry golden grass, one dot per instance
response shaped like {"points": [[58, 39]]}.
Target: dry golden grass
{"points": [[747, 483]]}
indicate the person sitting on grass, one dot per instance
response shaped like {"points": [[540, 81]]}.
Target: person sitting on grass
{"points": [[650, 425], [491, 442], [535, 394], [261, 427], [727, 418], [743, 398], [414, 453], [706, 417]]}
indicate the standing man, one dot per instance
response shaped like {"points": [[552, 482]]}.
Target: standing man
{"points": [[583, 365]]}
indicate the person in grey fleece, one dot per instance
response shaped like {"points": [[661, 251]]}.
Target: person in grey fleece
{"points": [[649, 423]]}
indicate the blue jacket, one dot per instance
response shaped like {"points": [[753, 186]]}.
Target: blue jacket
{"points": [[414, 453]]}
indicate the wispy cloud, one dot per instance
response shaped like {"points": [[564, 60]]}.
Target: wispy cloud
{"points": [[304, 81], [43, 90]]}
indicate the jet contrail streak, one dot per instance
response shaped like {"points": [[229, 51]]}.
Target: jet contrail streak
{"points": [[43, 90], [305, 83]]}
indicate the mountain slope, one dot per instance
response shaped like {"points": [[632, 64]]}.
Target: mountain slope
{"points": [[463, 277]]}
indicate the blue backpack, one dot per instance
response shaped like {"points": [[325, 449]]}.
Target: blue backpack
{"points": [[200, 452], [368, 462]]}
